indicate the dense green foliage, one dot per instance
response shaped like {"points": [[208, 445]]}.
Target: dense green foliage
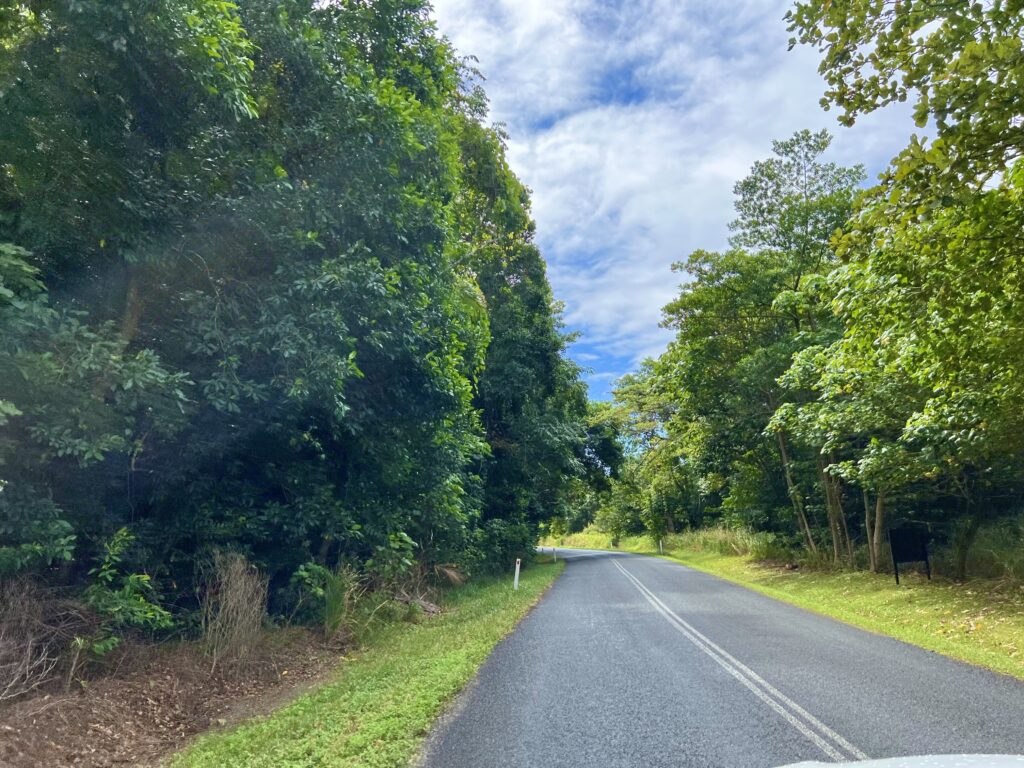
{"points": [[267, 284], [854, 359]]}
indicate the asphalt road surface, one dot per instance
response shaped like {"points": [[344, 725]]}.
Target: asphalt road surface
{"points": [[635, 661]]}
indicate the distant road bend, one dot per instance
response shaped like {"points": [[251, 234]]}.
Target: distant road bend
{"points": [[636, 661]]}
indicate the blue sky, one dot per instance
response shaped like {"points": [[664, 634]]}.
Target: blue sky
{"points": [[631, 121]]}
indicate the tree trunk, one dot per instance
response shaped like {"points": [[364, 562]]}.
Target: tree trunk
{"points": [[132, 307], [833, 530], [325, 549], [964, 542], [876, 545], [842, 521], [842, 549], [869, 532], [794, 494], [670, 525], [837, 496], [131, 314]]}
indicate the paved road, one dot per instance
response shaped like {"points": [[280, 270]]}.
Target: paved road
{"points": [[635, 661]]}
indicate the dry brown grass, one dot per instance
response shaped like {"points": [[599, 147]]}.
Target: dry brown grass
{"points": [[233, 608]]}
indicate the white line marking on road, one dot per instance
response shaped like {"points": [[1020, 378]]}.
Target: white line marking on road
{"points": [[780, 703], [571, 555]]}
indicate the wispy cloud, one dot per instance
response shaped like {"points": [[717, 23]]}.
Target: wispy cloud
{"points": [[631, 121]]}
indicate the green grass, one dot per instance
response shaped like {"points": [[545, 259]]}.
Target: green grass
{"points": [[981, 622], [383, 700]]}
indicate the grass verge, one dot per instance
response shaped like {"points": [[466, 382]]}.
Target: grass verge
{"points": [[386, 696], [980, 622]]}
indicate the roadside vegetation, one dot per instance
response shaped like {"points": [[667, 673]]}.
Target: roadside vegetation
{"points": [[850, 364], [385, 698], [980, 622], [276, 342], [279, 357], [278, 349]]}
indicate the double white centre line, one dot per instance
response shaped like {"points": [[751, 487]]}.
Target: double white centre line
{"points": [[827, 740]]}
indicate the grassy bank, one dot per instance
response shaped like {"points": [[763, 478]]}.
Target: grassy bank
{"points": [[980, 622], [385, 698]]}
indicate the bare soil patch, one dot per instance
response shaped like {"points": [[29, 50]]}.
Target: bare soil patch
{"points": [[155, 700]]}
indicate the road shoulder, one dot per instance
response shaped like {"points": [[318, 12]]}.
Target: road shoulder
{"points": [[385, 699]]}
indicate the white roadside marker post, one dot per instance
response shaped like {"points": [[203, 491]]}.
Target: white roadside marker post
{"points": [[515, 584], [661, 550]]}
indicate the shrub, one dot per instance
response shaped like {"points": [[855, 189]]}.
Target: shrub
{"points": [[119, 600], [32, 531], [770, 546], [37, 637], [500, 542], [732, 541], [349, 605], [343, 591], [995, 554], [234, 603], [123, 599]]}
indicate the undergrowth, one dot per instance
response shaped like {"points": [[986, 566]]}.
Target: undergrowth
{"points": [[385, 697]]}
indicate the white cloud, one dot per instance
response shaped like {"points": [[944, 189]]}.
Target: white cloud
{"points": [[631, 121]]}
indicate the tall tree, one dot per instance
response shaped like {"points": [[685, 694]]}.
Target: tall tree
{"points": [[930, 290], [267, 283], [532, 401], [746, 312]]}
